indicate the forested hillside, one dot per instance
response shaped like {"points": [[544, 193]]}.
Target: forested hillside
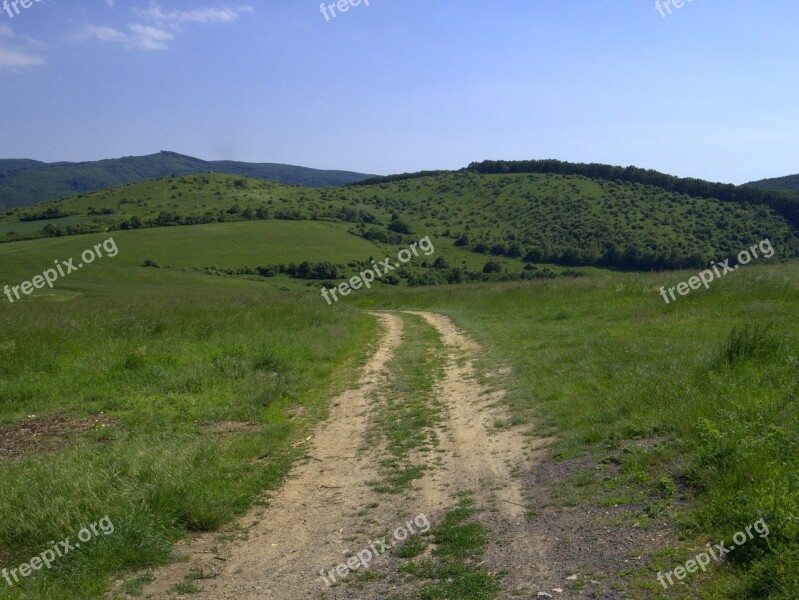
{"points": [[568, 220], [789, 183]]}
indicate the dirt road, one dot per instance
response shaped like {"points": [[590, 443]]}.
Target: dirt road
{"points": [[327, 508]]}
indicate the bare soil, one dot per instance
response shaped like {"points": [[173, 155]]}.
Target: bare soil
{"points": [[41, 434]]}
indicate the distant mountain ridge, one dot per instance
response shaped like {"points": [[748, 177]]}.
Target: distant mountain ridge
{"points": [[24, 182], [789, 183]]}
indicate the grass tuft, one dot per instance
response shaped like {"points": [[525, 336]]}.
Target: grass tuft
{"points": [[751, 342], [459, 544]]}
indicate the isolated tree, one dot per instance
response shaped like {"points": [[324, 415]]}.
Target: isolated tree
{"points": [[492, 267], [399, 227]]}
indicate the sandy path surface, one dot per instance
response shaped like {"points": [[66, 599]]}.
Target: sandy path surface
{"points": [[479, 459], [482, 459]]}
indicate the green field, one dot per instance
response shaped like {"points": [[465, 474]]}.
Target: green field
{"points": [[518, 219], [170, 398], [223, 244], [33, 226]]}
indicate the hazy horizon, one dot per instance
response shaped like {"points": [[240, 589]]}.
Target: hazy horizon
{"points": [[399, 87]]}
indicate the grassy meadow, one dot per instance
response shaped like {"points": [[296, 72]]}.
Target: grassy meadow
{"points": [[180, 396], [697, 401], [169, 398]]}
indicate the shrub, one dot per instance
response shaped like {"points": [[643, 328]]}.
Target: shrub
{"points": [[376, 235], [269, 271], [399, 227], [492, 267]]}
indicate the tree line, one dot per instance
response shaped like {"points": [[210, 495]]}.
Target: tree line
{"points": [[785, 203]]}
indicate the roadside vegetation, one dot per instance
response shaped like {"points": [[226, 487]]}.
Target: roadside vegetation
{"points": [[168, 405], [689, 412]]}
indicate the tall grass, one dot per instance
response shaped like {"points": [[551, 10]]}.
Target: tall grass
{"points": [[599, 362], [750, 341], [170, 367]]}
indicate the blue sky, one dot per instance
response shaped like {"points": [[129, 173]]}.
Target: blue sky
{"points": [[710, 90]]}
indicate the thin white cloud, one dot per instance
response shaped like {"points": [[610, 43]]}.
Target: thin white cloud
{"points": [[138, 36], [18, 57], [17, 51], [150, 38], [105, 34], [204, 15], [157, 27]]}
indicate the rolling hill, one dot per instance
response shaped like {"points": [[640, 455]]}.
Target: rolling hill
{"points": [[788, 183], [25, 182], [483, 224]]}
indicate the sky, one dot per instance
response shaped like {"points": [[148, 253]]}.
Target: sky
{"points": [[709, 89]]}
